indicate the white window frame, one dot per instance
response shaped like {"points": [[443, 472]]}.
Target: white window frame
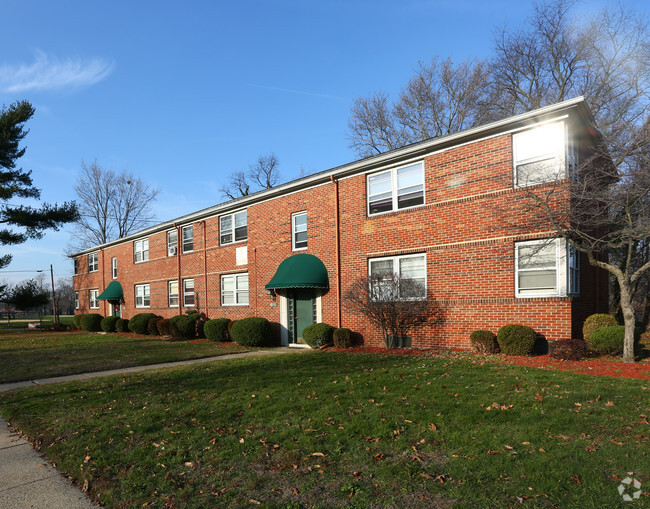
{"points": [[172, 245], [295, 232], [567, 270], [114, 267], [171, 295], [76, 300], [92, 299], [555, 155], [396, 264], [236, 292], [187, 293], [394, 190], [190, 240], [141, 250], [232, 230], [93, 262], [142, 296], [75, 263]]}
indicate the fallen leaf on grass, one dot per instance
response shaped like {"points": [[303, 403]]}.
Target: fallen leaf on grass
{"points": [[317, 454], [576, 479], [615, 442]]}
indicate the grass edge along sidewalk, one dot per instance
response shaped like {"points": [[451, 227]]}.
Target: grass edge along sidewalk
{"points": [[330, 429]]}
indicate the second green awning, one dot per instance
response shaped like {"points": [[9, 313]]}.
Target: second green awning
{"points": [[300, 271], [113, 292]]}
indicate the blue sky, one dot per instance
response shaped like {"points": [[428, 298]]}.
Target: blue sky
{"points": [[184, 93]]}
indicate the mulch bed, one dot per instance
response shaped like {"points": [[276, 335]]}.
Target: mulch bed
{"points": [[604, 366]]}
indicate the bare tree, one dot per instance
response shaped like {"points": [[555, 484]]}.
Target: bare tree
{"points": [[263, 174], [111, 205], [394, 304], [64, 296]]}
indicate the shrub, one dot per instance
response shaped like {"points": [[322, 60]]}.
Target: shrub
{"points": [[140, 323], [183, 325], [59, 327], [122, 325], [318, 334], [217, 330], [76, 320], [595, 322], [108, 323], [254, 331], [516, 340], [199, 327], [91, 322], [342, 338], [165, 328], [609, 340], [569, 349], [152, 325], [484, 341]]}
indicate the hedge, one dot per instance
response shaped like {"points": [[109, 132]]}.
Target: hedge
{"points": [[217, 329], [140, 323], [184, 325], [76, 320], [91, 322], [595, 322], [516, 340], [318, 334], [569, 349], [122, 325], [108, 323], [609, 340], [254, 331], [342, 338], [152, 326], [165, 328], [484, 341]]}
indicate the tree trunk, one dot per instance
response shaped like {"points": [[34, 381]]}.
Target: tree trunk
{"points": [[629, 321]]}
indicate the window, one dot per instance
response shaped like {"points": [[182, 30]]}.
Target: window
{"points": [[114, 267], [93, 263], [173, 294], [188, 292], [75, 262], [188, 239], [76, 300], [539, 154], [142, 296], [407, 267], [399, 188], [233, 226], [141, 250], [299, 231], [234, 290], [92, 298], [172, 242], [546, 268]]}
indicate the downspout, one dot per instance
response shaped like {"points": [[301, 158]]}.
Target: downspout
{"points": [[255, 269], [103, 279], [205, 266], [338, 251], [178, 258]]}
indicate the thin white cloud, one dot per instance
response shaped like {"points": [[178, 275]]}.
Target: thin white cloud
{"points": [[50, 73]]}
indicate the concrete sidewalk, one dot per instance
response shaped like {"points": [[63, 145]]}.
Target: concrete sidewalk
{"points": [[27, 480]]}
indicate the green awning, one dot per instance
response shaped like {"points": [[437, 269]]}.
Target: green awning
{"points": [[113, 292], [300, 271]]}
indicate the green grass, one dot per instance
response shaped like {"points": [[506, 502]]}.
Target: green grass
{"points": [[335, 429], [20, 324], [34, 355]]}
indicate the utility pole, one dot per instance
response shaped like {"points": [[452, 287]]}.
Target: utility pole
{"points": [[53, 300]]}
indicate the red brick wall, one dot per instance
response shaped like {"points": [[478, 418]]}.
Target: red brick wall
{"points": [[463, 229]]}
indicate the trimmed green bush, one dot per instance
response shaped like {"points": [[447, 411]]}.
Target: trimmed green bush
{"points": [[108, 323], [122, 325], [318, 334], [342, 338], [569, 349], [152, 325], [484, 341], [609, 340], [184, 325], [217, 329], [140, 323], [516, 340], [595, 322], [92, 322], [254, 331], [76, 320]]}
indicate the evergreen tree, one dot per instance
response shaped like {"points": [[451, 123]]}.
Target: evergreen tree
{"points": [[20, 222]]}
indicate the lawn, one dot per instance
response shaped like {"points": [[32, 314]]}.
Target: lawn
{"points": [[324, 429], [35, 354], [20, 324]]}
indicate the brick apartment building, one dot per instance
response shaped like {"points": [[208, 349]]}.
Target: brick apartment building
{"points": [[431, 211]]}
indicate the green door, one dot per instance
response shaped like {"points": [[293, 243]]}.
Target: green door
{"points": [[302, 307]]}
